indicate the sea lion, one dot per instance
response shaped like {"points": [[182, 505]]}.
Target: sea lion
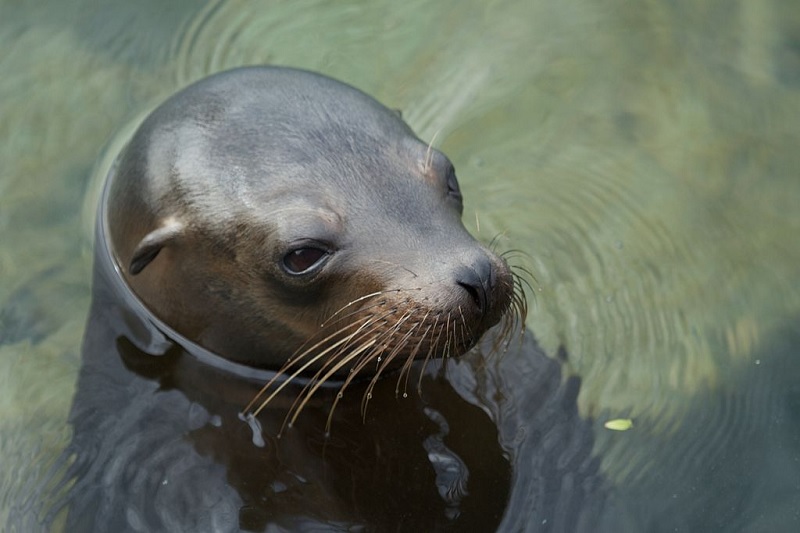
{"points": [[270, 225], [263, 209]]}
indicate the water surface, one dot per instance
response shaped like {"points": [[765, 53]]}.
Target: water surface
{"points": [[643, 155]]}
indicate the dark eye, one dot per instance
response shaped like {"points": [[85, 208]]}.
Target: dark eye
{"points": [[303, 259]]}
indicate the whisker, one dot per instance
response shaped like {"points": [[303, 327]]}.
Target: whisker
{"points": [[447, 341], [515, 252], [431, 349], [353, 302], [406, 369], [308, 363], [385, 362], [429, 153], [326, 371], [518, 297], [398, 346], [494, 242], [520, 280], [335, 368], [385, 335], [524, 272], [389, 358], [463, 325], [294, 359], [280, 387], [512, 320], [315, 383]]}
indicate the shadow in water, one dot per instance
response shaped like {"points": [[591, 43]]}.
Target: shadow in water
{"points": [[731, 462]]}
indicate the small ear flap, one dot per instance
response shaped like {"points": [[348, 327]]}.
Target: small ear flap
{"points": [[148, 248]]}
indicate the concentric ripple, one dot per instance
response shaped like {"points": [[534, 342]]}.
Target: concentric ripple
{"points": [[642, 156]]}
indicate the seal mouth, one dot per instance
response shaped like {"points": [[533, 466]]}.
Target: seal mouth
{"points": [[388, 331]]}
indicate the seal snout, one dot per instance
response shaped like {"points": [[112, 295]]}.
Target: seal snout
{"points": [[478, 279]]}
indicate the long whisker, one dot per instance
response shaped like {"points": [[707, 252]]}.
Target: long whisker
{"points": [[338, 366], [367, 396], [353, 302], [514, 252], [463, 326], [385, 336], [342, 345], [370, 322], [513, 319], [429, 153], [336, 361], [387, 360], [406, 368], [431, 350], [307, 396], [294, 359], [308, 363], [494, 242]]}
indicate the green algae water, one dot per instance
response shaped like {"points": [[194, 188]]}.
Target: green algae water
{"points": [[642, 156]]}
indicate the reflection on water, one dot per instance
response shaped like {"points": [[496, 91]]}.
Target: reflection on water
{"points": [[644, 155]]}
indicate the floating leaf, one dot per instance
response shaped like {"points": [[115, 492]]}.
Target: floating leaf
{"points": [[619, 424]]}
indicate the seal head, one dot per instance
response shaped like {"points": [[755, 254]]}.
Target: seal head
{"points": [[265, 213]]}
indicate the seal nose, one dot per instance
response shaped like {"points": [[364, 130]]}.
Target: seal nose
{"points": [[478, 280]]}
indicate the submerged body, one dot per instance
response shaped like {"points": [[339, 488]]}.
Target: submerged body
{"points": [[273, 226]]}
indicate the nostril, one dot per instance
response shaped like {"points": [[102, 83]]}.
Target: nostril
{"points": [[477, 294], [478, 280]]}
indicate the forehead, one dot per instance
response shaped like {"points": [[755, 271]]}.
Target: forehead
{"points": [[262, 138], [280, 107]]}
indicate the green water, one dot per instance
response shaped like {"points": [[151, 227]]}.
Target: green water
{"points": [[644, 155]]}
